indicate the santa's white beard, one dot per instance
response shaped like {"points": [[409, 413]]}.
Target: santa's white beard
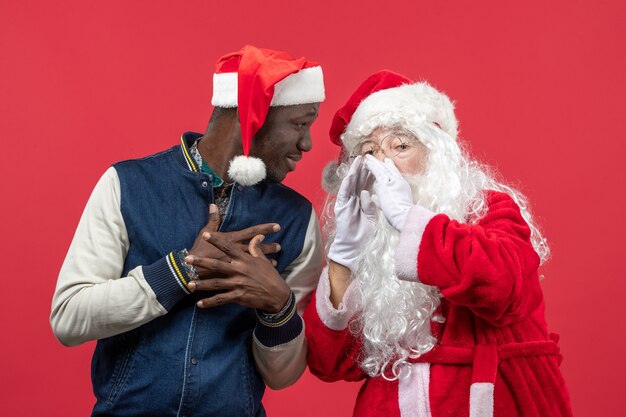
{"points": [[395, 315], [418, 190]]}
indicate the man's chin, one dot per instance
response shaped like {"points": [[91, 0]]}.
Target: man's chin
{"points": [[275, 177]]}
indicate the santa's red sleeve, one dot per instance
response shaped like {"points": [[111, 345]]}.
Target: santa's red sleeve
{"points": [[333, 350], [489, 267]]}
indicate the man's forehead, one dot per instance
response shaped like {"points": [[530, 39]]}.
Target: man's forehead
{"points": [[298, 110], [311, 109]]}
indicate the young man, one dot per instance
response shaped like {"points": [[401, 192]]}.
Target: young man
{"points": [[167, 269], [432, 292]]}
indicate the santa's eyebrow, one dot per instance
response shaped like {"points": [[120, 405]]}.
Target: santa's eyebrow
{"points": [[368, 140]]}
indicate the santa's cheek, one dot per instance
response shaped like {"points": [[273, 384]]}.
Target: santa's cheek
{"points": [[405, 167], [410, 166]]}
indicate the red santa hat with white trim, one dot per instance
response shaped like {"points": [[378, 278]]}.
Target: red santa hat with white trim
{"points": [[253, 80], [383, 97]]}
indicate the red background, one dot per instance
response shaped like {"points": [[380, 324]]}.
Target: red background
{"points": [[539, 88]]}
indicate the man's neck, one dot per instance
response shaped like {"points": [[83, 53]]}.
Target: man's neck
{"points": [[220, 143]]}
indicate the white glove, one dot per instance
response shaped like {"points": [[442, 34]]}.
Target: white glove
{"points": [[355, 214], [395, 198]]}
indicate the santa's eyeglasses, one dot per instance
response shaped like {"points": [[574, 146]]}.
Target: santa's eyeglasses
{"points": [[394, 145]]}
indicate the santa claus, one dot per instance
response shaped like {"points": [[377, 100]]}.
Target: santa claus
{"points": [[431, 293]]}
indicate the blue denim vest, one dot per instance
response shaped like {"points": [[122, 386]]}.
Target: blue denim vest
{"points": [[189, 362]]}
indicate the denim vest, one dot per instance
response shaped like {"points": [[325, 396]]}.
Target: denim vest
{"points": [[189, 362]]}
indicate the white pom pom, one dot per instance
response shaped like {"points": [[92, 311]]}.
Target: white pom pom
{"points": [[246, 170], [330, 178]]}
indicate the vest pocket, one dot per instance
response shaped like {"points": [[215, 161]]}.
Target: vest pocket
{"points": [[253, 386], [122, 369]]}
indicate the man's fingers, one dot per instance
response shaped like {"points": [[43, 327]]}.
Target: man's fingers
{"points": [[268, 248], [214, 218], [211, 264], [213, 284], [230, 248], [219, 299], [255, 247], [259, 229]]}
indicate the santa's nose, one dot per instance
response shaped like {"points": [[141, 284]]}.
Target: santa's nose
{"points": [[379, 154]]}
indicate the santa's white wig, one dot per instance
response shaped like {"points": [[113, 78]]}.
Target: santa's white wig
{"points": [[395, 316]]}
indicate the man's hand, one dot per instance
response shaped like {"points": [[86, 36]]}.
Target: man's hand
{"points": [[203, 249], [251, 279]]}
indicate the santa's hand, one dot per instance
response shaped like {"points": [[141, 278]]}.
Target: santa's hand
{"points": [[393, 191], [355, 213]]}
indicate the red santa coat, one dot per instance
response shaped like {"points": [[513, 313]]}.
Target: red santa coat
{"points": [[494, 354]]}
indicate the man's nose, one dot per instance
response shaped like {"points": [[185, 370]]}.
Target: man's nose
{"points": [[305, 144]]}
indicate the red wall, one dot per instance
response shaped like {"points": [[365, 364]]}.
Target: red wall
{"points": [[539, 88]]}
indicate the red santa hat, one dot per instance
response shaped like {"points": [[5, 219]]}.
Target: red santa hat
{"points": [[385, 97], [386, 92], [382, 80], [254, 79]]}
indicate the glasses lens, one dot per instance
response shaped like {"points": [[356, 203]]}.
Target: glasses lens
{"points": [[397, 145], [393, 145], [365, 148]]}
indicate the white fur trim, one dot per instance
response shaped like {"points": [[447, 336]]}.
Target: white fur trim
{"points": [[413, 391], [411, 100], [410, 239], [304, 86], [225, 90], [246, 170], [334, 318], [481, 399]]}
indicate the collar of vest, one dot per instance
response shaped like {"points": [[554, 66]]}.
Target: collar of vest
{"points": [[186, 140]]}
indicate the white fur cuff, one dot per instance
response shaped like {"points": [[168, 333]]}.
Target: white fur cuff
{"points": [[410, 239], [334, 319]]}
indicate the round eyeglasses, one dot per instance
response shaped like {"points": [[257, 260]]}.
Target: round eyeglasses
{"points": [[394, 145]]}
